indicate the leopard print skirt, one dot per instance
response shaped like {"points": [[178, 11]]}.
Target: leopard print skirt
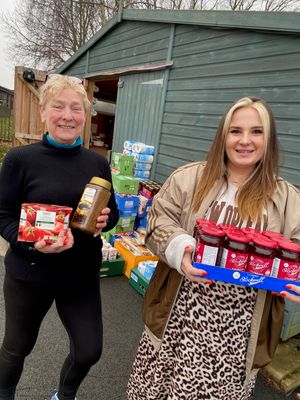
{"points": [[203, 352]]}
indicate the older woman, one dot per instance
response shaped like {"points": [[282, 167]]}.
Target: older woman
{"points": [[53, 171]]}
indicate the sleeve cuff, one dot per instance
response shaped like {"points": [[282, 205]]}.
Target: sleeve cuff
{"points": [[175, 250]]}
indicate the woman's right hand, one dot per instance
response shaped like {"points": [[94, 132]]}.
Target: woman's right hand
{"points": [[192, 273], [292, 297], [63, 243]]}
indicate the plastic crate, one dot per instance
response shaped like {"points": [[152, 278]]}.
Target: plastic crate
{"points": [[138, 281], [131, 260], [112, 267]]}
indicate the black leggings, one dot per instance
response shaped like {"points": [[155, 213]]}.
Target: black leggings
{"points": [[26, 304]]}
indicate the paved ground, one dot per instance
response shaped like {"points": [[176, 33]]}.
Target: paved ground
{"points": [[108, 379]]}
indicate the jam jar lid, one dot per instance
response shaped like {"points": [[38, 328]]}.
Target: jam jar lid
{"points": [[211, 230], [249, 230], [228, 227], [262, 241], [273, 234], [287, 244], [238, 237], [202, 222]]}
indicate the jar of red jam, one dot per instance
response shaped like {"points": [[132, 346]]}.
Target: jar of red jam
{"points": [[261, 255], [235, 251], [200, 223], [286, 264], [228, 228], [208, 245], [250, 232], [273, 235], [205, 222]]}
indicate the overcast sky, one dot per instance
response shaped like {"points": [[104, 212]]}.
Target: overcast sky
{"points": [[6, 66]]}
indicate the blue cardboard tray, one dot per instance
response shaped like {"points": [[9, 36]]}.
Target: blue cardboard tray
{"points": [[246, 278]]}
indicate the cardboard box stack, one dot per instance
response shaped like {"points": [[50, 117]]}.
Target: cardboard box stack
{"points": [[126, 190], [134, 198], [143, 155], [147, 190]]}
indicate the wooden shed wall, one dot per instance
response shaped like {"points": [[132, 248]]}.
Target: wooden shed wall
{"points": [[127, 44], [211, 69]]}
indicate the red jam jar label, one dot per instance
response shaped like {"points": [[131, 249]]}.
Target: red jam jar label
{"points": [[206, 254], [285, 270], [260, 265], [234, 260]]}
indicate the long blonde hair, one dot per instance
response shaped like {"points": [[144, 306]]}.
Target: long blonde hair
{"points": [[261, 184]]}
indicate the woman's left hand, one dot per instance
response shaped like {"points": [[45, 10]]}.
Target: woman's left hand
{"points": [[102, 221], [64, 242], [292, 297]]}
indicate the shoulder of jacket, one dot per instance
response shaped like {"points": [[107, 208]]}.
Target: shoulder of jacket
{"points": [[191, 168], [286, 188]]}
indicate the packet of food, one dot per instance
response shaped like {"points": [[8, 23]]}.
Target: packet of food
{"points": [[43, 222]]}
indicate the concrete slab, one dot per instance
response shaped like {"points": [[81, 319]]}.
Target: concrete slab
{"points": [[284, 369]]}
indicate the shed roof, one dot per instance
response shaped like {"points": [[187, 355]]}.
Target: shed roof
{"points": [[276, 22]]}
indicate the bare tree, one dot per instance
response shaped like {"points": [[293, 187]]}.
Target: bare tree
{"points": [[44, 33]]}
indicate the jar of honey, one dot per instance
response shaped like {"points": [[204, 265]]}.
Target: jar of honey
{"points": [[209, 243], [235, 251], [261, 255], [287, 262]]}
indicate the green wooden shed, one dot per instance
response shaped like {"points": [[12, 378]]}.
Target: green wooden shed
{"points": [[171, 74]]}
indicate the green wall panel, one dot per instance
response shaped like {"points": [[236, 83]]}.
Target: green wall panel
{"points": [[213, 68]]}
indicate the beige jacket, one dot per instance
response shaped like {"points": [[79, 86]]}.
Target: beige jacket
{"points": [[172, 215]]}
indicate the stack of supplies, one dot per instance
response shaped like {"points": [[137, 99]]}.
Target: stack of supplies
{"points": [[143, 158]]}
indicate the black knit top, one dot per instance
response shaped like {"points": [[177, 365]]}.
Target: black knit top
{"points": [[43, 173]]}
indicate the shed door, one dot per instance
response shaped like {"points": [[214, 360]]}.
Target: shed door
{"points": [[139, 109]]}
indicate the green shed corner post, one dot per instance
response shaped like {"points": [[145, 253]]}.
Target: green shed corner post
{"points": [[291, 322]]}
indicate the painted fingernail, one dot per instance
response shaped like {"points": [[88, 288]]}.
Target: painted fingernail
{"points": [[208, 282], [289, 286], [204, 273], [187, 248], [274, 294], [283, 294]]}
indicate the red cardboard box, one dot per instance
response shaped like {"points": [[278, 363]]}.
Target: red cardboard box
{"points": [[42, 222]]}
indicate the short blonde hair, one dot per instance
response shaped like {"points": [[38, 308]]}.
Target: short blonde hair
{"points": [[56, 83]]}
